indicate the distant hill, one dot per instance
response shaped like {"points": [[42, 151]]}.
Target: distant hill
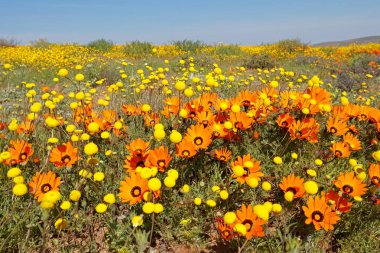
{"points": [[363, 40]]}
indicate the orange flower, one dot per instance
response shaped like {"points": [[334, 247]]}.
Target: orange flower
{"points": [[249, 219], [199, 135], [159, 157], [134, 161], [306, 129], [223, 154], [284, 120], [350, 185], [337, 126], [293, 184], [374, 174], [340, 150], [318, 212], [226, 231], [352, 141], [250, 166], [336, 202], [138, 147], [205, 118], [21, 151], [43, 183], [129, 110], [26, 127], [240, 120], [64, 155], [185, 149], [151, 119], [132, 189]]}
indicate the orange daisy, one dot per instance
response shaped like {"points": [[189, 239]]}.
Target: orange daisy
{"points": [[199, 135], [318, 212], [226, 231], [185, 149], [374, 174], [43, 183], [132, 189], [223, 154], [340, 150], [249, 219], [293, 184], [159, 157], [349, 184], [336, 202], [250, 166], [64, 155], [21, 151], [138, 147]]}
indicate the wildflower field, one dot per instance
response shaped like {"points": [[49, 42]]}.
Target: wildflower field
{"points": [[189, 148]]}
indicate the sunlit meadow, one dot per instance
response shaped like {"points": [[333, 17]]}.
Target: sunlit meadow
{"points": [[189, 148]]}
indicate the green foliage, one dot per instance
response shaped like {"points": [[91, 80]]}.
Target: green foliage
{"points": [[40, 43], [291, 45], [263, 61], [228, 50], [189, 46], [138, 49], [8, 42], [101, 45]]}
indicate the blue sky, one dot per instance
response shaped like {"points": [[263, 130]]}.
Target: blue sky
{"points": [[244, 22]]}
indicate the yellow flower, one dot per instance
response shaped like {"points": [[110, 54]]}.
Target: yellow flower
{"points": [[18, 180], [148, 207], [211, 203], [20, 189], [238, 170], [63, 72], [186, 188], [197, 201], [159, 134], [276, 208], [318, 162], [158, 208], [60, 224], [229, 217], [311, 172], [154, 184], [93, 127], [240, 229], [224, 194], [289, 196], [137, 221], [79, 77], [109, 198], [145, 108], [13, 172], [169, 182], [101, 208], [175, 137], [261, 211], [277, 160], [253, 182], [91, 149], [75, 195], [266, 186], [376, 155], [99, 176], [65, 205], [311, 187]]}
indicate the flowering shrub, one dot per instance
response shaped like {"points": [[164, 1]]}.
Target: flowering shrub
{"points": [[176, 155]]}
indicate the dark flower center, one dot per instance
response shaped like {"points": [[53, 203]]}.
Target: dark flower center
{"points": [[23, 156], [347, 189], [333, 130], [338, 153], [222, 158], [185, 153], [46, 188], [66, 159], [291, 189], [284, 124], [317, 216], [375, 180], [248, 224], [161, 163], [198, 141], [136, 191]]}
